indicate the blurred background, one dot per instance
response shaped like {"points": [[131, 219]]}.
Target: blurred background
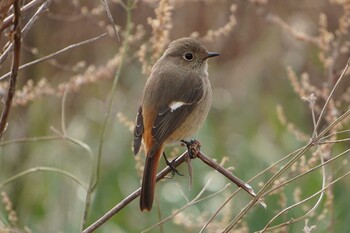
{"points": [[258, 41]]}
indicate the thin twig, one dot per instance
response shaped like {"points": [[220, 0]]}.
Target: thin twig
{"points": [[266, 186], [303, 201], [331, 126], [39, 169], [167, 170], [161, 175], [250, 180], [304, 149], [312, 209], [226, 173], [52, 55], [190, 203], [282, 171], [110, 17], [312, 101], [336, 133], [307, 172], [33, 139], [26, 28], [196, 200], [334, 141], [5, 6], [181, 209], [16, 35], [229, 175], [81, 144], [218, 210], [182, 193], [190, 173], [314, 134], [24, 9], [63, 112], [124, 51]]}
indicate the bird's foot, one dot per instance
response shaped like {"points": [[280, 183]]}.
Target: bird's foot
{"points": [[171, 166], [193, 147]]}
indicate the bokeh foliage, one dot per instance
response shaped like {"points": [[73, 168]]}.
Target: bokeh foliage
{"points": [[268, 48]]}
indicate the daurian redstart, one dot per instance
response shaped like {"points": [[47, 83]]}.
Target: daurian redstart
{"points": [[175, 103]]}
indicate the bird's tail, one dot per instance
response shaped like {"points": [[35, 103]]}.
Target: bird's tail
{"points": [[149, 180]]}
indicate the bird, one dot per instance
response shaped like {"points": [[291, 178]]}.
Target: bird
{"points": [[176, 100]]}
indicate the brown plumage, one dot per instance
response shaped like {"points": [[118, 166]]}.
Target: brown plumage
{"points": [[176, 100]]}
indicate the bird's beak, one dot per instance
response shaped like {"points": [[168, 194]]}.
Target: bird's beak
{"points": [[212, 54]]}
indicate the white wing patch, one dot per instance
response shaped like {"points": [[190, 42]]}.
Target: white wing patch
{"points": [[177, 104]]}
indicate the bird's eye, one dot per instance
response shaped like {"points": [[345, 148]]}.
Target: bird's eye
{"points": [[188, 56]]}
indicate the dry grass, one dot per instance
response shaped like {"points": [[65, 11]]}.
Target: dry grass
{"points": [[280, 85]]}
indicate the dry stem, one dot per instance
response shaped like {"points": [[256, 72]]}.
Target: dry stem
{"points": [[16, 35], [161, 175]]}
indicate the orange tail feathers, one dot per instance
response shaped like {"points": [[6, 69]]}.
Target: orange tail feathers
{"points": [[149, 180]]}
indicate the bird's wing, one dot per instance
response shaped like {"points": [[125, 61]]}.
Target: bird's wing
{"points": [[138, 131], [175, 110]]}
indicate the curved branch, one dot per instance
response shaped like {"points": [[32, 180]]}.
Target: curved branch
{"points": [[54, 54], [26, 8], [26, 28], [16, 35], [37, 169], [161, 175]]}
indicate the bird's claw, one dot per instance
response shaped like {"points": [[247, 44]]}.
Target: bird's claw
{"points": [[193, 147]]}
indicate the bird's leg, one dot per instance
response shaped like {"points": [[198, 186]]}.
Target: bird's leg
{"points": [[171, 166], [193, 147]]}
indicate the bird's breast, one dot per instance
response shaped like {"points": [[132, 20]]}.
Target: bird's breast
{"points": [[195, 119]]}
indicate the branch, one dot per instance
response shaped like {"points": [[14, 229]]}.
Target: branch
{"points": [[110, 17], [188, 204], [330, 97], [176, 162], [301, 202], [41, 169], [24, 9], [246, 187], [274, 165], [296, 204], [47, 57], [314, 140], [307, 172], [4, 9], [123, 54], [26, 28], [161, 175], [16, 36]]}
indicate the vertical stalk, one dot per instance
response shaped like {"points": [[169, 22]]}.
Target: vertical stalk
{"points": [[16, 37], [97, 163]]}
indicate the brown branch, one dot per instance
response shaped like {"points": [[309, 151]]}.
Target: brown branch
{"points": [[26, 28], [161, 175], [343, 74], [4, 8], [110, 17], [16, 36], [52, 55], [314, 140], [24, 9], [176, 162], [226, 173]]}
